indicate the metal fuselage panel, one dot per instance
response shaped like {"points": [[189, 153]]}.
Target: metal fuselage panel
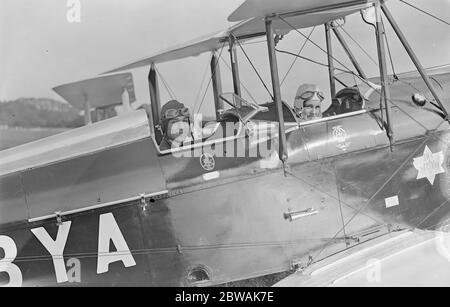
{"points": [[120, 173]]}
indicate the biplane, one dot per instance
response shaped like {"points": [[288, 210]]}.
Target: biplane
{"points": [[156, 196]]}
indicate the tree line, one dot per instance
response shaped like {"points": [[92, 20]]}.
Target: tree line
{"points": [[39, 113]]}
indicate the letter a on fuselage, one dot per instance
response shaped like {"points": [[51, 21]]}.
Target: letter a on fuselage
{"points": [[110, 231]]}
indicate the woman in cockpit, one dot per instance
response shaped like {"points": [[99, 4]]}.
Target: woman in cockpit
{"points": [[308, 102], [309, 98]]}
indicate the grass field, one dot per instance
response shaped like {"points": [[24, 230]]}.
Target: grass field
{"points": [[11, 137]]}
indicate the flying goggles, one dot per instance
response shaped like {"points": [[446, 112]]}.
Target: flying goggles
{"points": [[310, 94], [173, 113]]}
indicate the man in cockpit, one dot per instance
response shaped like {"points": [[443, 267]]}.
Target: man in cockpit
{"points": [[308, 102], [175, 124]]}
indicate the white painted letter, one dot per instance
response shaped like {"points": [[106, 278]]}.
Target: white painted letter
{"points": [[109, 230], [55, 248], [74, 12], [6, 265]]}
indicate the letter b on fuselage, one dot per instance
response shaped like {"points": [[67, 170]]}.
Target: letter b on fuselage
{"points": [[6, 266]]}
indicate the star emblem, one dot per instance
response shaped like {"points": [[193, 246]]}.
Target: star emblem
{"points": [[429, 164]]}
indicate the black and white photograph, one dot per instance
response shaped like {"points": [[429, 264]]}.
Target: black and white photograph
{"points": [[225, 149]]}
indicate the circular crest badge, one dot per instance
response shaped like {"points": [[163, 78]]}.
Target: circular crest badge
{"points": [[340, 135], [207, 161]]}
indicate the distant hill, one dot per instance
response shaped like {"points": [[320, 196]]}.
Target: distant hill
{"points": [[39, 113]]}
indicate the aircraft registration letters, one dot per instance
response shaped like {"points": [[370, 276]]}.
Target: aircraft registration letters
{"points": [[109, 231]]}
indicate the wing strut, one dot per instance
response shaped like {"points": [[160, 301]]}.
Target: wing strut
{"points": [[216, 83], [234, 66], [385, 92], [349, 53], [330, 59], [282, 150], [154, 94]]}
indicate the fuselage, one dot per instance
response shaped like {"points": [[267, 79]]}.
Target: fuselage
{"points": [[127, 213]]}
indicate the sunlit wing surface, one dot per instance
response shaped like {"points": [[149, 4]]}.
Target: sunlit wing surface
{"points": [[411, 258], [261, 8], [100, 91], [285, 25], [192, 48], [252, 28]]}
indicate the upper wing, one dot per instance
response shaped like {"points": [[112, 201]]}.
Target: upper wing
{"points": [[261, 8]]}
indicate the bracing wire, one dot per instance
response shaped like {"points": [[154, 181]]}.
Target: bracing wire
{"points": [[426, 13], [210, 79], [243, 85], [389, 50], [360, 47], [313, 61], [314, 43], [166, 85], [201, 86], [254, 68], [295, 59]]}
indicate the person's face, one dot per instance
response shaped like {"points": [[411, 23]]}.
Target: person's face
{"points": [[312, 109], [178, 129], [308, 101]]}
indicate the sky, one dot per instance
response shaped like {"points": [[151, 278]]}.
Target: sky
{"points": [[40, 48]]}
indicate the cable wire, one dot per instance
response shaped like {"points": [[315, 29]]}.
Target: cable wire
{"points": [[200, 89], [299, 52], [389, 50], [314, 43], [166, 85], [210, 79], [360, 47], [240, 82], [254, 68], [429, 14]]}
